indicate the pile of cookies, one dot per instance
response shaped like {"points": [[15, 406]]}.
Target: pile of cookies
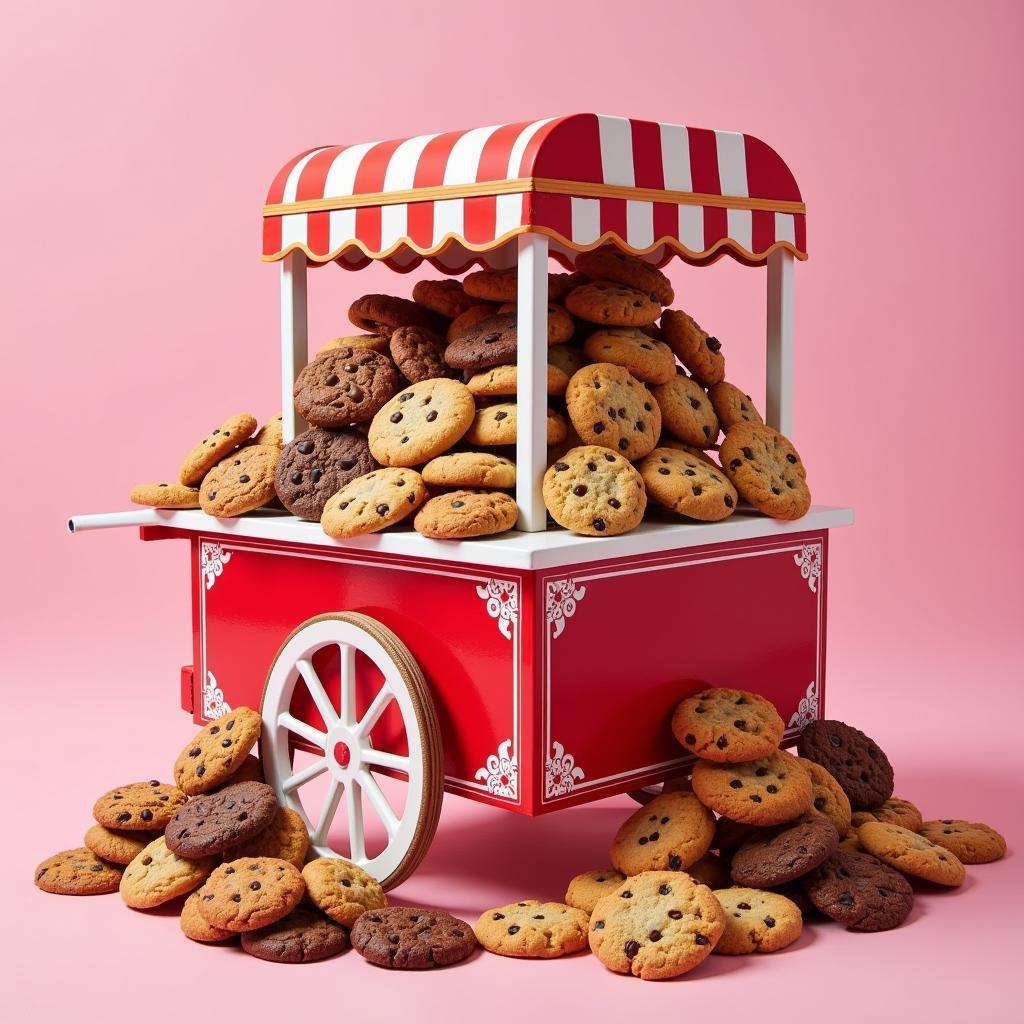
{"points": [[219, 842], [416, 419]]}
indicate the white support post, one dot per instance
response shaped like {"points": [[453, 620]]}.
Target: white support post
{"points": [[294, 338], [532, 381], [779, 362]]}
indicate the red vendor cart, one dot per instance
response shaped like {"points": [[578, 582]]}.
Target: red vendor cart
{"points": [[537, 669]]}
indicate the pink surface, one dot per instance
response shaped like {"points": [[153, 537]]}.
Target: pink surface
{"points": [[138, 144]]}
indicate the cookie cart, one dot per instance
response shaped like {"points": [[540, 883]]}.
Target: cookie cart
{"points": [[537, 669]]}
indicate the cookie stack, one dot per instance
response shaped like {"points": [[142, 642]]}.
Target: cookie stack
{"points": [[416, 419]]}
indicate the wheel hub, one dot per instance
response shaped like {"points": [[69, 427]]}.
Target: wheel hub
{"points": [[343, 753]]}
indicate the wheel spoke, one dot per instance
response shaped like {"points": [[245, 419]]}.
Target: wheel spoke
{"points": [[383, 759], [327, 812], [376, 709], [288, 721], [354, 813], [347, 669], [380, 803], [317, 692], [300, 778]]}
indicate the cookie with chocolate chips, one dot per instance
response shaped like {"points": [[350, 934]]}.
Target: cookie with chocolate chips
{"points": [[373, 502], [732, 406], [972, 842], [344, 385], [157, 875], [342, 890], [648, 360], [894, 811], [617, 305], [608, 406], [722, 724], [211, 823], [491, 341], [498, 425], [533, 930], [686, 411], [459, 514], [250, 893], [911, 854], [668, 834], [859, 891], [242, 482], [216, 751], [302, 937], [212, 448], [117, 847], [419, 354], [757, 921], [587, 888], [766, 470], [411, 938], [464, 321], [658, 924], [145, 806], [77, 872], [165, 495], [421, 421], [593, 491], [609, 264], [782, 854], [698, 351], [856, 762], [446, 297], [384, 314], [318, 464], [829, 799], [769, 791]]}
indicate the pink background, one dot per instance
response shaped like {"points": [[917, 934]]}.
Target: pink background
{"points": [[138, 143]]}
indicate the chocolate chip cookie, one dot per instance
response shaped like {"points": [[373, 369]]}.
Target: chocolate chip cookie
{"points": [[216, 751], [856, 762], [732, 406], [302, 937], [497, 425], [686, 411], [272, 432], [710, 870], [491, 341], [470, 469], [859, 891], [344, 385], [593, 491], [383, 315], [167, 495], [77, 872], [698, 351], [212, 448], [668, 834], [374, 342], [757, 921], [894, 811], [911, 854], [285, 838], [460, 514], [533, 930], [829, 799], [318, 464], [342, 890], [659, 924], [250, 893], [687, 485], [410, 938], [503, 380], [608, 264], [768, 791], [158, 875], [971, 842], [117, 847], [195, 927], [419, 354], [782, 854], [372, 502], [721, 724], [146, 806], [610, 407], [587, 888], [212, 822], [240, 483], [445, 297], [650, 361], [420, 422], [766, 470], [617, 305]]}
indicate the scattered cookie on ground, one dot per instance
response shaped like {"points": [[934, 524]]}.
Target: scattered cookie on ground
{"points": [[285, 838], [77, 872], [668, 834], [894, 811], [250, 893], [970, 841], [859, 891], [145, 806], [586, 889], [117, 847], [212, 822], [158, 875], [342, 890], [302, 937], [757, 921], [533, 929], [216, 751], [721, 724], [195, 927], [784, 853], [910, 853], [410, 938]]}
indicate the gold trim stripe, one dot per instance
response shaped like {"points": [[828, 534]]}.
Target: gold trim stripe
{"points": [[552, 186]]}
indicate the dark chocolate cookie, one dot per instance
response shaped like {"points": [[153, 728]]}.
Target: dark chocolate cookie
{"points": [[419, 354], [780, 855], [211, 823], [858, 890], [318, 464], [409, 938], [303, 937], [491, 342], [346, 385], [384, 314], [854, 760]]}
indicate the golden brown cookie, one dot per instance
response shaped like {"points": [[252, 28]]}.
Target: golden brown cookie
{"points": [[533, 930], [250, 893], [609, 264], [670, 833], [593, 491], [650, 361], [686, 411], [212, 448], [216, 751], [894, 811], [560, 325], [470, 469], [659, 924], [272, 432], [667, 441], [460, 514], [910, 853], [171, 495], [240, 483], [77, 872], [445, 296], [342, 890], [420, 422], [757, 921], [374, 342], [196, 927], [285, 838], [710, 870], [492, 285], [498, 424], [769, 791], [617, 305], [157, 875], [829, 798], [249, 770], [721, 724], [732, 406], [587, 888], [372, 502], [972, 842], [698, 351], [610, 407], [384, 314], [501, 380], [117, 847], [688, 485], [146, 806], [766, 470]]}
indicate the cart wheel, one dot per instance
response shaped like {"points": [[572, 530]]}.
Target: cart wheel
{"points": [[644, 796], [342, 744]]}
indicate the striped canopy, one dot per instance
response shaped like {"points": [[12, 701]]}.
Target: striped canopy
{"points": [[460, 198]]}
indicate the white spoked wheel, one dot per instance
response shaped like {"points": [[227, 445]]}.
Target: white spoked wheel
{"points": [[343, 747]]}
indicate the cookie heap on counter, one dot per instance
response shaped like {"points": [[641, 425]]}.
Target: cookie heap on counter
{"points": [[416, 419]]}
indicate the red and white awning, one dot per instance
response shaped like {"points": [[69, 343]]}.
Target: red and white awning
{"points": [[460, 198]]}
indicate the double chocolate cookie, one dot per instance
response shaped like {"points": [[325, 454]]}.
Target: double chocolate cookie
{"points": [[409, 938], [318, 464], [211, 823], [344, 385], [782, 854], [859, 891], [856, 762]]}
